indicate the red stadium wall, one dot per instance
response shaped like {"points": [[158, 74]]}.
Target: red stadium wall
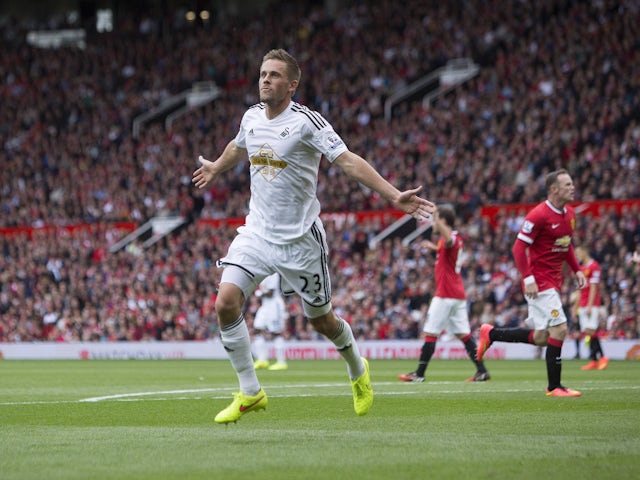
{"points": [[30, 232], [382, 218], [595, 209]]}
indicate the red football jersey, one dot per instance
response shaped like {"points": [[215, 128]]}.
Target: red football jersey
{"points": [[547, 231], [448, 265], [592, 272]]}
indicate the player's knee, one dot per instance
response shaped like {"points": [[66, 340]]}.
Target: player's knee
{"points": [[559, 332], [229, 304], [541, 338]]}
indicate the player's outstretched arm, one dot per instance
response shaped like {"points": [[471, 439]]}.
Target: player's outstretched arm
{"points": [[209, 171], [408, 201]]}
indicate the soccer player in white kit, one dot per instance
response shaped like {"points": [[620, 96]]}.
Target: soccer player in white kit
{"points": [[269, 324], [284, 142]]}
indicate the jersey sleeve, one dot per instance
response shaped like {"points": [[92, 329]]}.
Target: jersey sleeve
{"points": [[329, 143], [528, 232], [526, 236], [319, 134], [521, 258], [241, 136], [572, 261], [596, 273]]}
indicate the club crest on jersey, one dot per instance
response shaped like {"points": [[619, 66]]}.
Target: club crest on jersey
{"points": [[267, 162], [555, 313]]}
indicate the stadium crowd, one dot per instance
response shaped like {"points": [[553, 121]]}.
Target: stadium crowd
{"points": [[559, 85]]}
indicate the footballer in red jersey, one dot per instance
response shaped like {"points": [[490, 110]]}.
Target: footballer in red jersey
{"points": [[448, 308], [546, 232], [541, 248], [448, 265], [590, 310]]}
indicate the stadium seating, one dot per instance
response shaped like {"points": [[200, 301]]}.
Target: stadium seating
{"points": [[558, 86]]}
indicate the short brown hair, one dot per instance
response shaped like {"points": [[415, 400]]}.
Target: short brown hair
{"points": [[293, 69], [447, 212], [552, 177]]}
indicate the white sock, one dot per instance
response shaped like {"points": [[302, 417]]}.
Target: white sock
{"points": [[260, 348], [279, 346], [346, 344], [236, 341]]}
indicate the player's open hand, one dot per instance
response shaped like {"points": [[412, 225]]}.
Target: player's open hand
{"points": [[419, 208], [205, 174]]}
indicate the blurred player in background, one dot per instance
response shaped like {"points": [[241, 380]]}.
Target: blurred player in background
{"points": [[590, 309], [284, 142], [448, 308], [541, 248], [269, 324]]}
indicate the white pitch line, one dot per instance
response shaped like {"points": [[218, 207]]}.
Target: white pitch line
{"points": [[410, 390], [145, 394]]}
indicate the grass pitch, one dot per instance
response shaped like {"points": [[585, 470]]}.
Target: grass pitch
{"points": [[154, 420]]}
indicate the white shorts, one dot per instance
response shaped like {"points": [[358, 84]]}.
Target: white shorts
{"points": [[546, 310], [448, 314], [302, 266], [589, 322]]}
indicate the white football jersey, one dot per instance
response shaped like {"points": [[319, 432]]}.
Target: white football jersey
{"points": [[284, 158]]}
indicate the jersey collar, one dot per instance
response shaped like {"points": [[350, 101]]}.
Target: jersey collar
{"points": [[550, 205]]}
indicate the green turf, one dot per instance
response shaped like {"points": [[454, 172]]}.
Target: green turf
{"points": [[154, 420]]}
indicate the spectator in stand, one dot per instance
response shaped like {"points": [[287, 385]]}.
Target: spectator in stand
{"points": [[87, 309], [78, 140], [67, 117]]}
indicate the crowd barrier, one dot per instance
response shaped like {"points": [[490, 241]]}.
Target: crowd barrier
{"points": [[298, 350]]}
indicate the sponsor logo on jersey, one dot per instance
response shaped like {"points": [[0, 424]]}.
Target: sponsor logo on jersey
{"points": [[267, 162], [561, 244]]}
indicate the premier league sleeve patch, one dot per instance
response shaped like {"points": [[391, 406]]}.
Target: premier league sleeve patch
{"points": [[527, 226], [330, 143], [334, 141]]}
